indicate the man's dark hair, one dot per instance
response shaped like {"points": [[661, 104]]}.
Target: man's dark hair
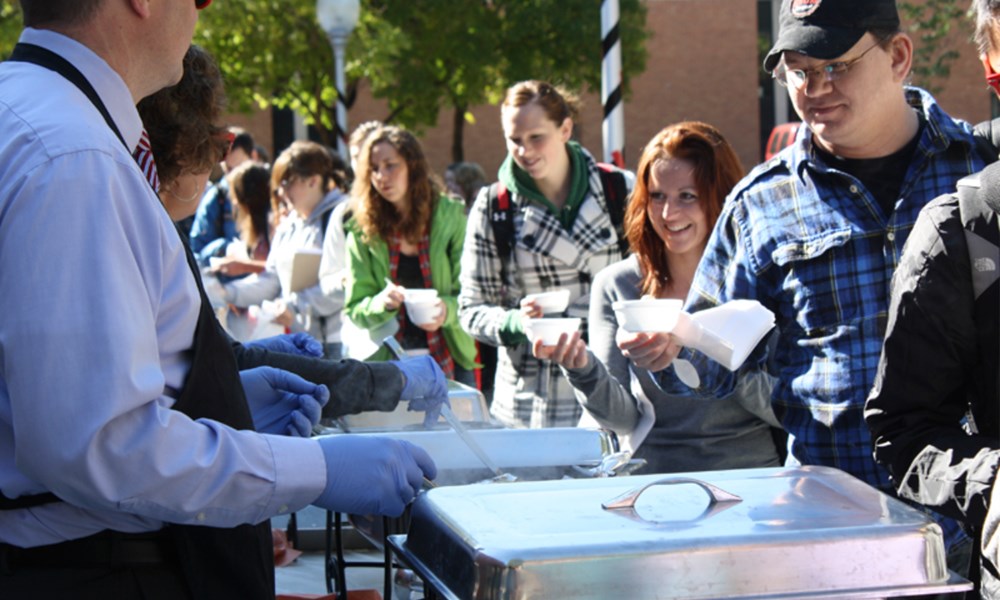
{"points": [[885, 36], [243, 140], [37, 13]]}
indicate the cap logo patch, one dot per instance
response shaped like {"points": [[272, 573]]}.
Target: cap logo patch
{"points": [[804, 8]]}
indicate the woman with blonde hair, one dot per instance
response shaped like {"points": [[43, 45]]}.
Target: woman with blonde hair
{"points": [[684, 175], [561, 232], [406, 234]]}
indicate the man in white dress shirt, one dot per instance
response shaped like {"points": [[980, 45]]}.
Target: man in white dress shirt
{"points": [[128, 467]]}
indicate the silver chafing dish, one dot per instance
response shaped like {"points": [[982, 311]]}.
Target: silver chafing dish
{"points": [[528, 454], [809, 532], [468, 404]]}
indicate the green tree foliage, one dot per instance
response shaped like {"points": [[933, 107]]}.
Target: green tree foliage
{"points": [[930, 23], [421, 56], [273, 53], [10, 26]]}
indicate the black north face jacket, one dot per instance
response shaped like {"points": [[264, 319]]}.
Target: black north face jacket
{"points": [[934, 410]]}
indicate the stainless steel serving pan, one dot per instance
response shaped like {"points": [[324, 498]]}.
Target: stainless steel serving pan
{"points": [[807, 532], [468, 404], [532, 454], [528, 454]]}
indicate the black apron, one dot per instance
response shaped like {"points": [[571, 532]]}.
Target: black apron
{"points": [[235, 563]]}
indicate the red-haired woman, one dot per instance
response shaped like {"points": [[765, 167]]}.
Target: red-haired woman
{"points": [[684, 175]]}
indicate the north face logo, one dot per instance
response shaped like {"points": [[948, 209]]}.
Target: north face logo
{"points": [[984, 265]]}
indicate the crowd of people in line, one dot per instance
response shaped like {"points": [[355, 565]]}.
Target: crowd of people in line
{"points": [[882, 279]]}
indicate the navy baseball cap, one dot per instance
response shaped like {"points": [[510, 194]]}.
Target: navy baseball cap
{"points": [[826, 29]]}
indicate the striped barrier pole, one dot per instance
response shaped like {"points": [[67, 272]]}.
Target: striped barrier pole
{"points": [[613, 128], [340, 81]]}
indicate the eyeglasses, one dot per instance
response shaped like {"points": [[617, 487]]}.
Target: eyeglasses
{"points": [[200, 4], [287, 182], [992, 77], [830, 72]]}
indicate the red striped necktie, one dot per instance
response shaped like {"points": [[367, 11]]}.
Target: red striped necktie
{"points": [[144, 156]]}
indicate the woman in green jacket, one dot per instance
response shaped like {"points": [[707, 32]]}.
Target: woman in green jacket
{"points": [[405, 234]]}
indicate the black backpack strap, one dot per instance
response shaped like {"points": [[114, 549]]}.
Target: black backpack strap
{"points": [[325, 222], [616, 196], [501, 215], [987, 135], [501, 218]]}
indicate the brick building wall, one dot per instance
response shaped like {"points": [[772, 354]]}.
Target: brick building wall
{"points": [[703, 64]]}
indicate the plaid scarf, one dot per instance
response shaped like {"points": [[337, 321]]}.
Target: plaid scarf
{"points": [[435, 341]]}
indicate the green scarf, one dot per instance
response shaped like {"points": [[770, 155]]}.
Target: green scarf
{"points": [[519, 182]]}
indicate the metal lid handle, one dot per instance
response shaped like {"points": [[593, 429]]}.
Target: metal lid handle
{"points": [[628, 499]]}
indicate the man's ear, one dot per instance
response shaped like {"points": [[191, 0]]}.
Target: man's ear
{"points": [[901, 52], [141, 7]]}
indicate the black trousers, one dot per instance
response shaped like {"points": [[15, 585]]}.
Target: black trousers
{"points": [[125, 583], [107, 565]]}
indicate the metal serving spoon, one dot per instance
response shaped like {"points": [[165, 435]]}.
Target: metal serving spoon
{"points": [[463, 433]]}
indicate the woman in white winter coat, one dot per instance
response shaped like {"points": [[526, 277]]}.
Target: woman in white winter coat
{"points": [[309, 177]]}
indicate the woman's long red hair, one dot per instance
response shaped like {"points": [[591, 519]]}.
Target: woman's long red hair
{"points": [[717, 169]]}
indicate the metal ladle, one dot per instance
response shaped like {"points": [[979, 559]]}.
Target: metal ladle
{"points": [[499, 475]]}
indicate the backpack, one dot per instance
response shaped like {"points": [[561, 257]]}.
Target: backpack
{"points": [[501, 217], [325, 222]]}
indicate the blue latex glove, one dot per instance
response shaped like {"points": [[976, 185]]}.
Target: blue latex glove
{"points": [[300, 343], [372, 475], [426, 388], [283, 403]]}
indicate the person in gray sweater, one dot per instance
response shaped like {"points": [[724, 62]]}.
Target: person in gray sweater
{"points": [[684, 174]]}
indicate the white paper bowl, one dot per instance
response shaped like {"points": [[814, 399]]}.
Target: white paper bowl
{"points": [[419, 294], [550, 302], [651, 315], [422, 312], [549, 330]]}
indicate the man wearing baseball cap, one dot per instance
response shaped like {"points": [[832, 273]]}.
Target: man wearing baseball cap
{"points": [[134, 460], [816, 233]]}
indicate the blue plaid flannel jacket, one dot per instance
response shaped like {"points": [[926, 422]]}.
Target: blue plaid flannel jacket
{"points": [[813, 246]]}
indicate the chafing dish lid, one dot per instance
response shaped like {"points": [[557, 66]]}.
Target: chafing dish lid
{"points": [[525, 530]]}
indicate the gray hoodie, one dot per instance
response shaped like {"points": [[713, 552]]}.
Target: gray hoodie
{"points": [[315, 312]]}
